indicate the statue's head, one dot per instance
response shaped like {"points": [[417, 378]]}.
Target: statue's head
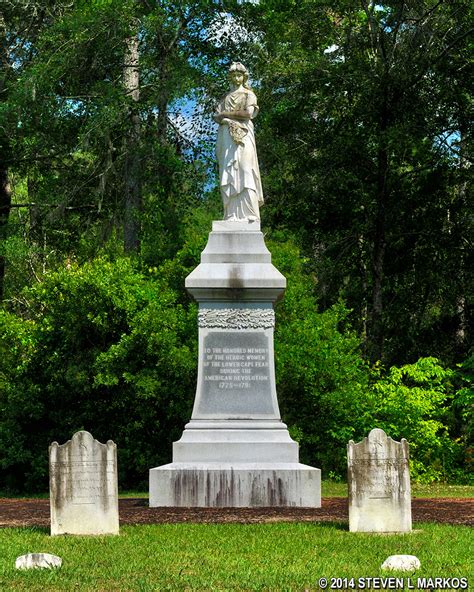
{"points": [[236, 69]]}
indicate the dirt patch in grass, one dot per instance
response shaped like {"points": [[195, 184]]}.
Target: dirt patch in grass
{"points": [[35, 512]]}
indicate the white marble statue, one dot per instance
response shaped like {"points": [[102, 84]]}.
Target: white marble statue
{"points": [[239, 175]]}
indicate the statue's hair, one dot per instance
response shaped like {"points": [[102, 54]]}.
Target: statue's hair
{"points": [[240, 68]]}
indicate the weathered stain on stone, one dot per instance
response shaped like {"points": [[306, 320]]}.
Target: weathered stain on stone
{"points": [[83, 486], [239, 487], [208, 489], [379, 484], [236, 282]]}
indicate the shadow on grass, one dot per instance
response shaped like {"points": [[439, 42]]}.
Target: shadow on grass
{"points": [[30, 529], [21, 496], [333, 525]]}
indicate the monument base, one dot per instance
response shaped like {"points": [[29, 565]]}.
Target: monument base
{"points": [[236, 485]]}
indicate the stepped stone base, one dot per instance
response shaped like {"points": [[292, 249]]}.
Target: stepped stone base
{"points": [[236, 485]]}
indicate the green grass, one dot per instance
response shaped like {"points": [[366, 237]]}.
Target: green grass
{"points": [[442, 490], [328, 489], [206, 557], [333, 489]]}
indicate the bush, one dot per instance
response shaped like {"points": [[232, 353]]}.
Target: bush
{"points": [[112, 348], [463, 417], [329, 395], [106, 349], [322, 379], [412, 402]]}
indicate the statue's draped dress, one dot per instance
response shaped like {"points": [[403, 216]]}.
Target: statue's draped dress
{"points": [[240, 183]]}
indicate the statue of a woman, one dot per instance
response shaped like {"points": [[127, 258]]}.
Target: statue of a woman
{"points": [[239, 175]]}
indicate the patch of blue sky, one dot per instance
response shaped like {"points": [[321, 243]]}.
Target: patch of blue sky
{"points": [[17, 48], [192, 121], [448, 142], [224, 25], [73, 106], [333, 52]]}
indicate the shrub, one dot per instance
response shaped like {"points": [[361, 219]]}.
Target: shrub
{"points": [[412, 402], [329, 395], [322, 379], [106, 349]]}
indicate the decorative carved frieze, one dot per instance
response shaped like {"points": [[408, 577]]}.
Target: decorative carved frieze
{"points": [[236, 318]]}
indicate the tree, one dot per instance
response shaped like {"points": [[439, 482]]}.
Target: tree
{"points": [[107, 349], [20, 26], [98, 140], [362, 107]]}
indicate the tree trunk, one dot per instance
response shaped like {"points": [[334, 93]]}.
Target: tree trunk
{"points": [[376, 337], [162, 167], [5, 192], [133, 193], [364, 309], [462, 324], [5, 207], [162, 99]]}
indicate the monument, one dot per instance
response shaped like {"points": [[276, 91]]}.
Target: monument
{"points": [[379, 484], [236, 451], [83, 486]]}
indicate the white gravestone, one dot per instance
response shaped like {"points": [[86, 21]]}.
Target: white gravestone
{"points": [[83, 486], [379, 484]]}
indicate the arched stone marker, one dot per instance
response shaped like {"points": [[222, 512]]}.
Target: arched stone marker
{"points": [[83, 486], [379, 484]]}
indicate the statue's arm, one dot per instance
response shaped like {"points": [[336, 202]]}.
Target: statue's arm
{"points": [[242, 115]]}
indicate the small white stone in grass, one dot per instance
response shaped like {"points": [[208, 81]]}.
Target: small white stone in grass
{"points": [[42, 560], [401, 563]]}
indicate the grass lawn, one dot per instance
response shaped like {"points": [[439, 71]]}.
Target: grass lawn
{"points": [[332, 489], [328, 489], [279, 556]]}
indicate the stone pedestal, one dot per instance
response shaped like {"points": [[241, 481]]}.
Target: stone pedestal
{"points": [[235, 451]]}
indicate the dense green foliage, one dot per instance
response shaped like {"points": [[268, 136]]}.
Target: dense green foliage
{"points": [[322, 378], [329, 395], [411, 401], [106, 198], [108, 348], [381, 92]]}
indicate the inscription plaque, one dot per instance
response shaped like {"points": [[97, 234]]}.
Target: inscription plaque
{"points": [[83, 486], [379, 484], [236, 374]]}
